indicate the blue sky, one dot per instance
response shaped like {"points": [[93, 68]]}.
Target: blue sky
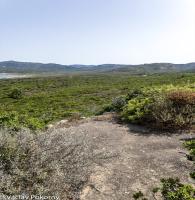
{"points": [[97, 31]]}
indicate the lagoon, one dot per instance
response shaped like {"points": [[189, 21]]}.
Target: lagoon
{"points": [[12, 75]]}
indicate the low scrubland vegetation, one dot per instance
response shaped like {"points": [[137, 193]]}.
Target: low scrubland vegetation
{"points": [[48, 164], [54, 163], [35, 102], [166, 107]]}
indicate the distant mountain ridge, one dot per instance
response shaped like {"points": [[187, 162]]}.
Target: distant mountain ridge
{"points": [[30, 67]]}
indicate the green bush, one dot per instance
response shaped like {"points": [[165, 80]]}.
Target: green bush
{"points": [[34, 123], [192, 174], [15, 121], [9, 120], [105, 108], [170, 189], [138, 195], [136, 109], [165, 107], [16, 94], [190, 145], [173, 189], [134, 93]]}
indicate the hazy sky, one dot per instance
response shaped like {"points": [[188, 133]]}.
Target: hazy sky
{"points": [[97, 31]]}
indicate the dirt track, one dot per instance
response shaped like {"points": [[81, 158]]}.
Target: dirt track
{"points": [[142, 159]]}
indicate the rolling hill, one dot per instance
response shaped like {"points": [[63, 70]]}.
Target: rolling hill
{"points": [[30, 67]]}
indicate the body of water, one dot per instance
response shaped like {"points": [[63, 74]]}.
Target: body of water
{"points": [[12, 75]]}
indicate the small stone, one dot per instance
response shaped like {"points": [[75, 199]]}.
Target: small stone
{"points": [[62, 122], [49, 126]]}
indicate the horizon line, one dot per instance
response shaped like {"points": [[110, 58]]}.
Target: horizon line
{"points": [[45, 63]]}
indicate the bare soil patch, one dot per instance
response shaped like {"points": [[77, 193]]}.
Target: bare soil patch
{"points": [[141, 158]]}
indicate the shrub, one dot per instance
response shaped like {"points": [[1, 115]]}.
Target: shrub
{"points": [[182, 97], [136, 109], [134, 93], [33, 123], [173, 189], [105, 108], [52, 163], [138, 195], [190, 145], [15, 121], [75, 116], [170, 189], [16, 94], [118, 103], [166, 114], [9, 120], [192, 174], [161, 107]]}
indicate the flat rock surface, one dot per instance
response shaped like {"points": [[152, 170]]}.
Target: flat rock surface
{"points": [[142, 159]]}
